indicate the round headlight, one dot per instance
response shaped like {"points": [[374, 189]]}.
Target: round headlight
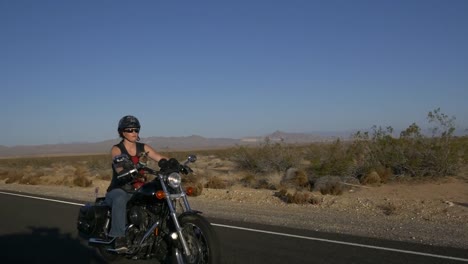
{"points": [[173, 180]]}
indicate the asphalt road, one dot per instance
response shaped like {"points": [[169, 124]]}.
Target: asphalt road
{"points": [[44, 231]]}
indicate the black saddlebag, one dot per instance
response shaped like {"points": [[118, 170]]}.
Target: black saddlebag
{"points": [[92, 219]]}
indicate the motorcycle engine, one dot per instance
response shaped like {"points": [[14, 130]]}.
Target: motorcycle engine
{"points": [[138, 216]]}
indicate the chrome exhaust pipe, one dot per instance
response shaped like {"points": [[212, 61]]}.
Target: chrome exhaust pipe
{"points": [[98, 241]]}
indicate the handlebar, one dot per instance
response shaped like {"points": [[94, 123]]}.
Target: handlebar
{"points": [[171, 165], [127, 173]]}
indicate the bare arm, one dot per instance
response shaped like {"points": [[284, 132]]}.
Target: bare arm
{"points": [[115, 151], [153, 154]]}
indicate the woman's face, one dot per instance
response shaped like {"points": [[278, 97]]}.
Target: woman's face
{"points": [[131, 133]]}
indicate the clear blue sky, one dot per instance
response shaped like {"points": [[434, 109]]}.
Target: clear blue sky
{"points": [[70, 69]]}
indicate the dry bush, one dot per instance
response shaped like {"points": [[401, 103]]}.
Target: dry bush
{"points": [[267, 158], [275, 180], [413, 153], [14, 176], [104, 175], [197, 188], [297, 197], [248, 180], [332, 189], [371, 178], [82, 181], [216, 183], [80, 177], [97, 164], [30, 180], [60, 181], [39, 173], [3, 174], [191, 180], [384, 173], [315, 200], [81, 171], [329, 185], [335, 158], [258, 182], [295, 178], [264, 183]]}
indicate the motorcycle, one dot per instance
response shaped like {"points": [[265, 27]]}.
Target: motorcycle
{"points": [[155, 229]]}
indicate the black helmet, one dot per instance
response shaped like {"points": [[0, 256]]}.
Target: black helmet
{"points": [[128, 121]]}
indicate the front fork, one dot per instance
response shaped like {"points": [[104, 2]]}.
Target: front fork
{"points": [[173, 214]]}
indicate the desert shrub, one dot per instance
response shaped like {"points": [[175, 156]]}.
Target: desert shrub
{"points": [[265, 183], [413, 153], [14, 176], [193, 181], [267, 158], [82, 181], [197, 188], [248, 180], [98, 167], [372, 178], [329, 185], [463, 148], [80, 177], [330, 159], [81, 171], [297, 197], [96, 164], [375, 150], [275, 179], [384, 174], [30, 180], [3, 174], [296, 178], [39, 173], [216, 183], [258, 182], [104, 175], [332, 189]]}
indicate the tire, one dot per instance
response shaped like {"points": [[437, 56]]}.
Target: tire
{"points": [[201, 240]]}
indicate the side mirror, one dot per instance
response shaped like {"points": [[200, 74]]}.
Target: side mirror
{"points": [[192, 158]]}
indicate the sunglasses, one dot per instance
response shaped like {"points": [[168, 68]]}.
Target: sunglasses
{"points": [[131, 130]]}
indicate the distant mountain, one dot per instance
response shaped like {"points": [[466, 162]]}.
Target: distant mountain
{"points": [[57, 149], [159, 143], [298, 138], [191, 142]]}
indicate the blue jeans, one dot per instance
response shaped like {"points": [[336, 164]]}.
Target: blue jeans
{"points": [[117, 199]]}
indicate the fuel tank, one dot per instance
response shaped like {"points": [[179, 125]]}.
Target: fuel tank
{"points": [[147, 193]]}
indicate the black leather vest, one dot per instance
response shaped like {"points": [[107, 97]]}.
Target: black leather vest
{"points": [[135, 159]]}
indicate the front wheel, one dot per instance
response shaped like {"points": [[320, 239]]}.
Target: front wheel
{"points": [[201, 241]]}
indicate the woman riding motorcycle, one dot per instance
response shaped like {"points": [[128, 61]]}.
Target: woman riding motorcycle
{"points": [[125, 156]]}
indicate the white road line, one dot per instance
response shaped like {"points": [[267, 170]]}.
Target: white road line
{"points": [[40, 198], [282, 234], [344, 243]]}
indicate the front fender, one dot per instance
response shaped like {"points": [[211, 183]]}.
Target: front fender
{"points": [[192, 212]]}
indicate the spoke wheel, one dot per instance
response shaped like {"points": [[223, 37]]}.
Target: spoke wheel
{"points": [[201, 240]]}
